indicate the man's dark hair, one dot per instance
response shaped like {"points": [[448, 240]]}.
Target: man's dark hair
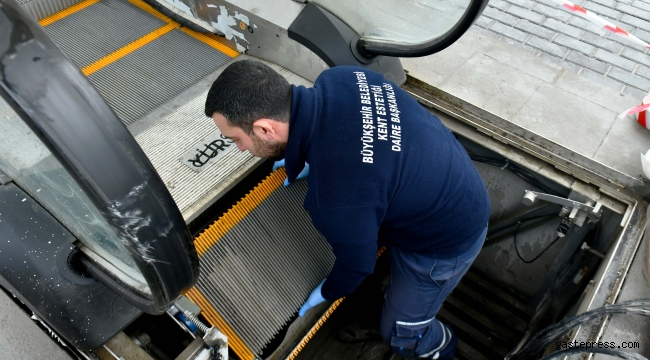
{"points": [[248, 90]]}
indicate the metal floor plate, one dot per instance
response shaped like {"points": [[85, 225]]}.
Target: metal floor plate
{"points": [[100, 29], [166, 141]]}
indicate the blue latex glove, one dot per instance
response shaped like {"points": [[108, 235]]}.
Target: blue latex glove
{"points": [[314, 299], [303, 173]]}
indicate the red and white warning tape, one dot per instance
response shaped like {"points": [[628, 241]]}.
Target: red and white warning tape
{"points": [[600, 21], [578, 10]]}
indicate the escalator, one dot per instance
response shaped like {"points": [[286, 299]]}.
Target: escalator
{"points": [[105, 142]]}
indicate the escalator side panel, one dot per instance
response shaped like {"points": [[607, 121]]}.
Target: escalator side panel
{"points": [[35, 254], [41, 9]]}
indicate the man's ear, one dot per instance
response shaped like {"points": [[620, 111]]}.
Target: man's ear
{"points": [[265, 129]]}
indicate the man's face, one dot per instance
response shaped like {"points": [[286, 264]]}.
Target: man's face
{"points": [[268, 149]]}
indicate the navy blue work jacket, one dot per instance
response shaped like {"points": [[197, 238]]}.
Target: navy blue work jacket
{"points": [[383, 171]]}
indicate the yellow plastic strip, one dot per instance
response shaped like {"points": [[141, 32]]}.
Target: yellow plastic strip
{"points": [[233, 216], [120, 53], [234, 342], [65, 12], [201, 37], [326, 315], [146, 7], [211, 42]]}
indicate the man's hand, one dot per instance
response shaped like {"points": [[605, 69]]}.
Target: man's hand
{"points": [[314, 299], [303, 173]]}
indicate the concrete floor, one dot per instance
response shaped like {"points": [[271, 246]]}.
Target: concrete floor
{"points": [[20, 336]]}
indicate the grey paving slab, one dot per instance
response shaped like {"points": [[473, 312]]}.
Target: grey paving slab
{"points": [[553, 12], [623, 145], [635, 21], [562, 27], [438, 67], [571, 67], [555, 32], [577, 111], [531, 28], [637, 56], [603, 96], [634, 92], [632, 10], [574, 44], [492, 85], [526, 62], [525, 14], [566, 118], [602, 10], [643, 71], [21, 338], [547, 46], [496, 14], [629, 78], [587, 62], [508, 31], [614, 59], [642, 34], [587, 25], [600, 78], [601, 42]]}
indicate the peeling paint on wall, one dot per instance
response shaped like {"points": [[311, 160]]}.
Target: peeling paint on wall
{"points": [[181, 6], [225, 23]]}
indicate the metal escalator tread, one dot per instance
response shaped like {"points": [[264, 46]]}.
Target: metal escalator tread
{"points": [[259, 262], [144, 79], [100, 29]]}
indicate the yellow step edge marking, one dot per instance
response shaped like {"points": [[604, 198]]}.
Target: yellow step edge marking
{"points": [[216, 44], [326, 315], [234, 342], [120, 53], [211, 42], [148, 8], [233, 216], [65, 12]]}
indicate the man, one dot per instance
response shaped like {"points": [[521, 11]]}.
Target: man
{"points": [[383, 171]]}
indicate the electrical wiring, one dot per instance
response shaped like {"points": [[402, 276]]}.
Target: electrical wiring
{"points": [[514, 239], [621, 354], [540, 340], [515, 169]]}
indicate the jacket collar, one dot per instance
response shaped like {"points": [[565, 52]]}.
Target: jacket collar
{"points": [[304, 116]]}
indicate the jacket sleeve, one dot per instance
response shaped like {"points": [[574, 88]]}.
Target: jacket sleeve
{"points": [[352, 233]]}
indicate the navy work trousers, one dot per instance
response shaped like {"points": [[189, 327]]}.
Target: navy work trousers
{"points": [[419, 284]]}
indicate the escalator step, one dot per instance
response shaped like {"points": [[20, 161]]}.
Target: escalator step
{"points": [[260, 261], [146, 78], [100, 29]]}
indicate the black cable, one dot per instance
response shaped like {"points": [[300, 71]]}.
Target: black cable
{"points": [[621, 354], [538, 255], [540, 340]]}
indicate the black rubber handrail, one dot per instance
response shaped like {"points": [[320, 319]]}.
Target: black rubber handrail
{"points": [[369, 47], [66, 112]]}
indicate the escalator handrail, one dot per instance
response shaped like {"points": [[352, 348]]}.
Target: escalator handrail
{"points": [[372, 47], [65, 111]]}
